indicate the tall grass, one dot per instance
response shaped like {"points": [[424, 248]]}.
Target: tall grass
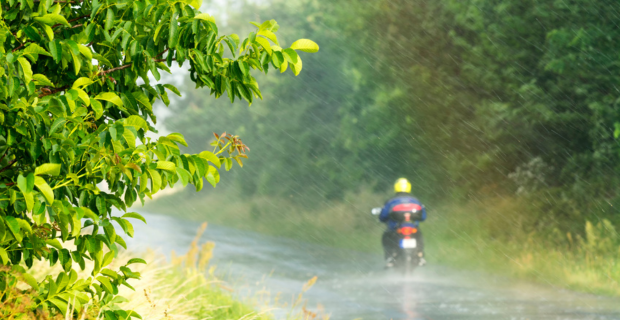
{"points": [[185, 288], [493, 235], [490, 236]]}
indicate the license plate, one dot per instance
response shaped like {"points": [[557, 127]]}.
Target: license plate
{"points": [[408, 243]]}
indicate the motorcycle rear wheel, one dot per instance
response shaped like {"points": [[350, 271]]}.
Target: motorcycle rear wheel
{"points": [[409, 261]]}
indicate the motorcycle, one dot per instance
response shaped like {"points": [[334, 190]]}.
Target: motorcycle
{"points": [[407, 256]]}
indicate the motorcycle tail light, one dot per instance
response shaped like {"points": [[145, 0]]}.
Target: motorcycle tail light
{"points": [[407, 230]]}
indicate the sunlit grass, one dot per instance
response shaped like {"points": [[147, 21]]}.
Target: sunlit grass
{"points": [[186, 288]]}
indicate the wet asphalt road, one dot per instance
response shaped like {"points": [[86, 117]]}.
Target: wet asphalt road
{"points": [[353, 285]]}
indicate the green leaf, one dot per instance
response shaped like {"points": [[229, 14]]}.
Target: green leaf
{"points": [[173, 37], [106, 283], [29, 182], [166, 165], [173, 89], [49, 32], [196, 4], [109, 19], [213, 173], [29, 199], [111, 274], [107, 259], [110, 97], [277, 59], [26, 68], [142, 99], [210, 156], [42, 80], [134, 166], [135, 260], [205, 17], [52, 19], [56, 50], [22, 183], [82, 82], [30, 280], [90, 215], [97, 107], [130, 138], [34, 48], [61, 305], [297, 67], [183, 176], [4, 256], [265, 44], [58, 123], [245, 69], [54, 243], [155, 180], [134, 215], [235, 38], [84, 96], [177, 137], [52, 169], [305, 45], [269, 35], [157, 30], [44, 188], [290, 55], [77, 62], [136, 122], [13, 225]]}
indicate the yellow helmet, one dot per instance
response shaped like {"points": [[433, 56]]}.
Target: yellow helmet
{"points": [[402, 185]]}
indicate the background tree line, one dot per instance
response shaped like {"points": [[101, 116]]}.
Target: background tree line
{"points": [[470, 100]]}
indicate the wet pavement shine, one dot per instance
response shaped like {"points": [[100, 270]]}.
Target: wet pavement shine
{"points": [[353, 285]]}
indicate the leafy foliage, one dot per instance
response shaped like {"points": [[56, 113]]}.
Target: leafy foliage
{"points": [[76, 101]]}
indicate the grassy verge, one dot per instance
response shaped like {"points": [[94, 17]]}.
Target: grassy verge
{"points": [[486, 236], [185, 288]]}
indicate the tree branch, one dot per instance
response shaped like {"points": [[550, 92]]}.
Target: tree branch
{"points": [[78, 18], [72, 20], [20, 46], [54, 91], [162, 60], [159, 55], [10, 165], [101, 73], [58, 1], [104, 72]]}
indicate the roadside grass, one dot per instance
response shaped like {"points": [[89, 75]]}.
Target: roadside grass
{"points": [[184, 288], [485, 236], [465, 236]]}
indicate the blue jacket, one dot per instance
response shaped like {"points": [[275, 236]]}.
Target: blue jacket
{"points": [[400, 198]]}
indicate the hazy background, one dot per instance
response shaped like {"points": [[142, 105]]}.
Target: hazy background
{"points": [[502, 114]]}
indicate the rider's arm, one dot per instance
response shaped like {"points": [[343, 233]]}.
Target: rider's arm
{"points": [[423, 213], [385, 213]]}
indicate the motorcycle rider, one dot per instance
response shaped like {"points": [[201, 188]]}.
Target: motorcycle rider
{"points": [[390, 239]]}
